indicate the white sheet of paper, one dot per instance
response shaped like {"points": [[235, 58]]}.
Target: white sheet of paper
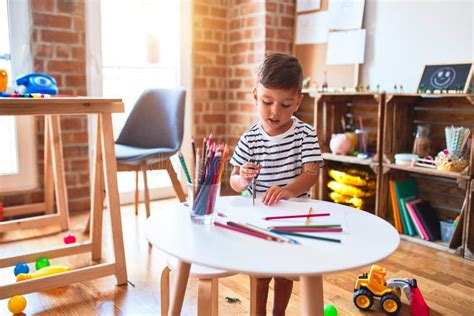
{"points": [[307, 5], [346, 47], [345, 14], [312, 28]]}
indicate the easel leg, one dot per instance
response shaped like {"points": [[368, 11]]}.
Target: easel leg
{"points": [[312, 298], [113, 202], [97, 206], [48, 169], [58, 170], [179, 288]]}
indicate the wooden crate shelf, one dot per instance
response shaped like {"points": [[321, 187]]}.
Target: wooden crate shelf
{"points": [[428, 171], [392, 120], [348, 159]]}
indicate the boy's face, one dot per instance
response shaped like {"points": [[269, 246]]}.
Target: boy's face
{"points": [[275, 108]]}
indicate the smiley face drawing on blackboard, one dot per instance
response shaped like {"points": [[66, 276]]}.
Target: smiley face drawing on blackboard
{"points": [[443, 77]]}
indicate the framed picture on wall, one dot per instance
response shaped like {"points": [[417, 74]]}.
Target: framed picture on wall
{"points": [[446, 77]]}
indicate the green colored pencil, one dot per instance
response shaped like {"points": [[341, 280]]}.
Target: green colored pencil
{"points": [[183, 164], [305, 236]]}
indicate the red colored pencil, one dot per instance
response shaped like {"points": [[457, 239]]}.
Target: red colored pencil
{"points": [[295, 216], [308, 229], [248, 232]]}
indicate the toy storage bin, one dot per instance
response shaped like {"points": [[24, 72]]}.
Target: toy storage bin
{"points": [[446, 230]]}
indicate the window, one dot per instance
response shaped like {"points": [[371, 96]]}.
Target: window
{"points": [[143, 51], [18, 154]]}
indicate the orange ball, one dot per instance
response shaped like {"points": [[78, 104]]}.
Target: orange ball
{"points": [[17, 304]]}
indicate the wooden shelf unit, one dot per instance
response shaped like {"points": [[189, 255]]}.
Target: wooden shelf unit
{"points": [[392, 120], [446, 191], [325, 110]]}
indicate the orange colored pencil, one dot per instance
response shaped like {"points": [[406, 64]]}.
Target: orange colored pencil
{"points": [[308, 219]]}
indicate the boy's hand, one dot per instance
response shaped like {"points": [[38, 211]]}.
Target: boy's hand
{"points": [[247, 172], [275, 194]]}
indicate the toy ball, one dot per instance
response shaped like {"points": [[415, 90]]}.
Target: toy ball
{"points": [[69, 238], [21, 268], [330, 310], [16, 304], [41, 263], [340, 144]]}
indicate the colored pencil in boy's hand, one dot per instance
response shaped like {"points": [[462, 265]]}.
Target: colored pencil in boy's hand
{"points": [[309, 218]]}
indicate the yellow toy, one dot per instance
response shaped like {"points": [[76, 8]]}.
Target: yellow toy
{"points": [[373, 285], [16, 304], [346, 178], [42, 273], [349, 190], [339, 198]]}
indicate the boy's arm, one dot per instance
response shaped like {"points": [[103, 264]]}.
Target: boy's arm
{"points": [[298, 186], [305, 180], [236, 182], [242, 176]]}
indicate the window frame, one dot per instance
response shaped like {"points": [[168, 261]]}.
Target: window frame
{"points": [[21, 62]]}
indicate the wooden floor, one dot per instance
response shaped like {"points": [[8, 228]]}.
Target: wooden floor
{"points": [[446, 281]]}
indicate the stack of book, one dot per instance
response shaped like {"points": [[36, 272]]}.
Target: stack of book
{"points": [[413, 216]]}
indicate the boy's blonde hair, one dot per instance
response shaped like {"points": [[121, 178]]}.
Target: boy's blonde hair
{"points": [[281, 71]]}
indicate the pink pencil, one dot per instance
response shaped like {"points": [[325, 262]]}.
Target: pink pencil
{"points": [[295, 216], [248, 232], [309, 229]]}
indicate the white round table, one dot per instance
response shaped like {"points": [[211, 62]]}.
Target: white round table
{"points": [[365, 239]]}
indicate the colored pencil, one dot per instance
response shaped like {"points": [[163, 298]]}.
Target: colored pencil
{"points": [[183, 164], [287, 239], [311, 230], [309, 218], [307, 236], [244, 231], [256, 231], [295, 216], [306, 226]]}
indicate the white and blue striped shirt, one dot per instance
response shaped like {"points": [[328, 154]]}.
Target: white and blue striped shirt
{"points": [[280, 157]]}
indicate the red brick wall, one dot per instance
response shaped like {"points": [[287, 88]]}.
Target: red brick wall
{"points": [[209, 60], [226, 56], [58, 47]]}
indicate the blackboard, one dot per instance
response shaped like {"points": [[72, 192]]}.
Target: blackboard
{"points": [[451, 77]]}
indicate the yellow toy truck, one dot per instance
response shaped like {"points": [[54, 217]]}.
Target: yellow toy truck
{"points": [[373, 285]]}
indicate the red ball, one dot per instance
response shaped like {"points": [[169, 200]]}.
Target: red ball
{"points": [[69, 238]]}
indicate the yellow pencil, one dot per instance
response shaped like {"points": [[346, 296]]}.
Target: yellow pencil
{"points": [[308, 219]]}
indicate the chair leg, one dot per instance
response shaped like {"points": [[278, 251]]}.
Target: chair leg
{"points": [[208, 297], [174, 180], [137, 196], [147, 193], [165, 291], [253, 295]]}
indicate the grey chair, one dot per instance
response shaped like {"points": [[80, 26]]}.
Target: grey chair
{"points": [[152, 134]]}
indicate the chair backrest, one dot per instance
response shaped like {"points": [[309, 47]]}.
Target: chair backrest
{"points": [[156, 121]]}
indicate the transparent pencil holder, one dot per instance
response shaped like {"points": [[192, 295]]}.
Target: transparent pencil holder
{"points": [[202, 202]]}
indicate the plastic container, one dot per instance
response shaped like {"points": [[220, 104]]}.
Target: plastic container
{"points": [[447, 229], [405, 159]]}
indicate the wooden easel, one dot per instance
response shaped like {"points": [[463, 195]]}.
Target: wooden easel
{"points": [[105, 168]]}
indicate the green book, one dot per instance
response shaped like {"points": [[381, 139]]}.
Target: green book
{"points": [[411, 229], [404, 189]]}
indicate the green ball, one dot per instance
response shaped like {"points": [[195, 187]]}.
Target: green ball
{"points": [[330, 310], [246, 193], [41, 263]]}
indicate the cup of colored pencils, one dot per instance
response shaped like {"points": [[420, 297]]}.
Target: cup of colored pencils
{"points": [[204, 179]]}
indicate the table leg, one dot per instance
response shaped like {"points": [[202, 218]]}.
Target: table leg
{"points": [[113, 202], [97, 205], [58, 170], [48, 169], [179, 288], [312, 298]]}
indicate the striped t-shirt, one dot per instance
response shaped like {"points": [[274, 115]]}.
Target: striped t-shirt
{"points": [[281, 157]]}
